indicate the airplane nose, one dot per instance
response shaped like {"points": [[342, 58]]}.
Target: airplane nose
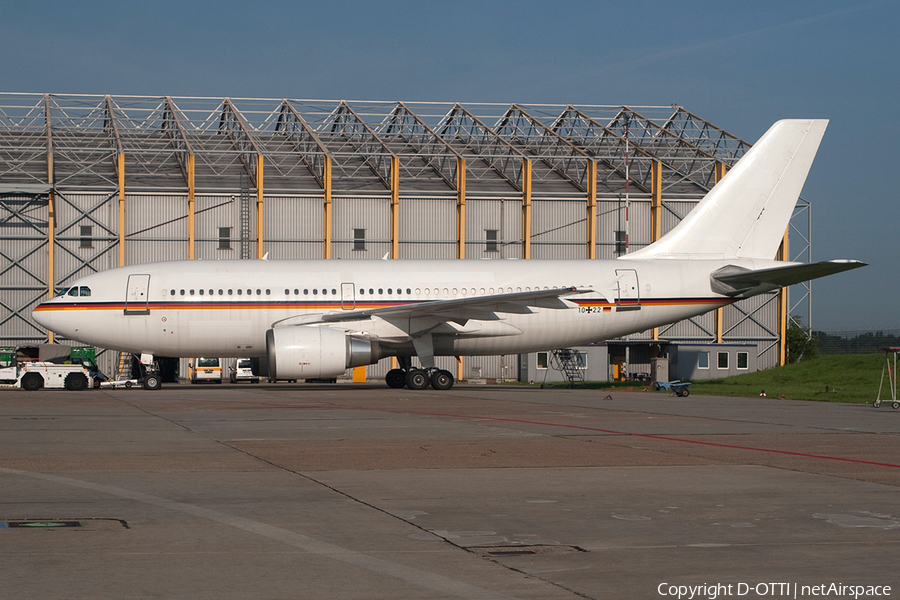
{"points": [[43, 315]]}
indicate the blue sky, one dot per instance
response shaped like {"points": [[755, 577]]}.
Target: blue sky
{"points": [[740, 65]]}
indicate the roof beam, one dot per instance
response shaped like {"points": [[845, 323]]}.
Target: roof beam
{"points": [[171, 124], [363, 140], [556, 152], [434, 150], [234, 126], [485, 143], [304, 140]]}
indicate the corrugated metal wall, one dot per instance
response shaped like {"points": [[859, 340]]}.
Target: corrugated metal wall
{"points": [[428, 228], [156, 228], [372, 214], [294, 227]]}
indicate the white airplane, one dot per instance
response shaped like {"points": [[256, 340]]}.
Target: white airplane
{"points": [[316, 318]]}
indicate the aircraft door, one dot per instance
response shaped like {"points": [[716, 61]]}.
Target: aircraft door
{"points": [[137, 301], [348, 296], [629, 297]]}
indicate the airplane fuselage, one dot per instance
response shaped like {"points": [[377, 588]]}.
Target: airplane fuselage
{"points": [[224, 308]]}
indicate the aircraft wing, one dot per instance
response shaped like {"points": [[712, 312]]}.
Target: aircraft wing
{"points": [[733, 281], [460, 310]]}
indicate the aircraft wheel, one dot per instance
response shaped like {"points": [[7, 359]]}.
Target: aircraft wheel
{"points": [[32, 382], [441, 380], [75, 382], [417, 379], [152, 382], [395, 378]]}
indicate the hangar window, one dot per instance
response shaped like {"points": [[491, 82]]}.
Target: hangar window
{"points": [[723, 360], [224, 238], [87, 232], [703, 360], [743, 360], [490, 243], [359, 239], [542, 360]]}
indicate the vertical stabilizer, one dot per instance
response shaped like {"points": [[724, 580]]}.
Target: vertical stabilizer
{"points": [[746, 214]]}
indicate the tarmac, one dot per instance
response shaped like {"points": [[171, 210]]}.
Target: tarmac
{"points": [[360, 491]]}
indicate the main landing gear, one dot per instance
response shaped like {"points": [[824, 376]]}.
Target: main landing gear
{"points": [[418, 379]]}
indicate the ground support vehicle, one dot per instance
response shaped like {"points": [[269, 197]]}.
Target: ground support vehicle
{"points": [[74, 377], [243, 371], [206, 370], [679, 388]]}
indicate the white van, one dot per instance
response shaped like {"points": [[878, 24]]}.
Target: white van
{"points": [[206, 370], [243, 371]]}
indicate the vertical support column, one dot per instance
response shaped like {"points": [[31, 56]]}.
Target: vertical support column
{"points": [[783, 306], [719, 173], [655, 213], [327, 182], [591, 209], [259, 206], [460, 230], [51, 229], [460, 208], [526, 208], [120, 163], [192, 234], [395, 207]]}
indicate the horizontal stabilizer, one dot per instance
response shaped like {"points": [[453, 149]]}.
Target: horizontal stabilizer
{"points": [[736, 281]]}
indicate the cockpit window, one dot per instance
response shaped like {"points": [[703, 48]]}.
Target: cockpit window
{"points": [[73, 291], [62, 291], [85, 291]]}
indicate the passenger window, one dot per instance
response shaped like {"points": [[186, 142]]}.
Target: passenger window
{"points": [[221, 292], [268, 292], [192, 292], [201, 292], [408, 291], [390, 291], [333, 292], [171, 292], [371, 291], [258, 292], [229, 292], [305, 292], [381, 291], [324, 292], [287, 292], [210, 292], [296, 292], [362, 291], [315, 292], [249, 292], [240, 292], [182, 292]]}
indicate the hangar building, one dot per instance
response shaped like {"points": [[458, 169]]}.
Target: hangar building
{"points": [[92, 182]]}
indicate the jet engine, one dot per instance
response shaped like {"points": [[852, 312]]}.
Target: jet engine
{"points": [[303, 352]]}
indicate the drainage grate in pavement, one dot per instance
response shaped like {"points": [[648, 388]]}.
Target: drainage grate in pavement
{"points": [[93, 524]]}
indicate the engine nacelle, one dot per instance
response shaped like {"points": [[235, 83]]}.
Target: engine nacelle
{"points": [[303, 352]]}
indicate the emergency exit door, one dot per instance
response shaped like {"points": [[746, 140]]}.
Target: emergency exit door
{"points": [[137, 295]]}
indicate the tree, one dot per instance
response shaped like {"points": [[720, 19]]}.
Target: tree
{"points": [[800, 341]]}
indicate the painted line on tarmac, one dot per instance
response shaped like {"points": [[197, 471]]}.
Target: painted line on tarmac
{"points": [[432, 581], [645, 435]]}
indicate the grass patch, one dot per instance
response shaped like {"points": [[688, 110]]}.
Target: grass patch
{"points": [[850, 378]]}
